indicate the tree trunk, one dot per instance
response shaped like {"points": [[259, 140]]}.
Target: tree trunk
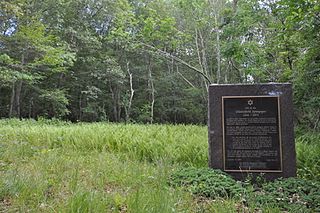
{"points": [[115, 94], [115, 102], [235, 5], [201, 55], [16, 96], [15, 100], [198, 49], [12, 100], [218, 49], [118, 105], [128, 110], [151, 87], [60, 80], [217, 8], [204, 55], [80, 106], [204, 62], [30, 108], [170, 65]]}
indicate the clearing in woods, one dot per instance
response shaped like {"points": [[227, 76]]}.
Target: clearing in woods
{"points": [[54, 166]]}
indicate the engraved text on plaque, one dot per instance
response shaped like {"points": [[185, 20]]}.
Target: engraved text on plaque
{"points": [[251, 133]]}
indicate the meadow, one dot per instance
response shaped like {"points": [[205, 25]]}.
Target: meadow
{"points": [[55, 166]]}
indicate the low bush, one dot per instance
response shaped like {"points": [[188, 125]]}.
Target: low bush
{"points": [[206, 182], [291, 194]]}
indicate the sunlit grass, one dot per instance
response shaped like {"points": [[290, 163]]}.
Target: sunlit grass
{"points": [[53, 166], [177, 144]]}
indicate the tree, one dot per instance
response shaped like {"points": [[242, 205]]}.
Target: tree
{"points": [[152, 61], [30, 54]]}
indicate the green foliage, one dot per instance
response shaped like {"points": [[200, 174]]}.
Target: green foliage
{"points": [[5, 59], [55, 103], [206, 182], [292, 194], [76, 45], [39, 49], [308, 159]]}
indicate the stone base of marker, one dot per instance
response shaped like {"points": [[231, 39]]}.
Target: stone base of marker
{"points": [[251, 130]]}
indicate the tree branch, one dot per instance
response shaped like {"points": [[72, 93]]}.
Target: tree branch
{"points": [[184, 78], [168, 55]]}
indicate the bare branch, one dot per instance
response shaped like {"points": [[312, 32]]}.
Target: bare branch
{"points": [[168, 55], [184, 78]]}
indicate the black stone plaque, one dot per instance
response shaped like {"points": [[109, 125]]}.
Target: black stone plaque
{"points": [[257, 142], [251, 134]]}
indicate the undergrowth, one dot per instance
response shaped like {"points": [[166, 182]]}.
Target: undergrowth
{"points": [[291, 194], [206, 182], [308, 155]]}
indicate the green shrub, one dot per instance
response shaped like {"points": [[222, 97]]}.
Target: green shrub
{"points": [[290, 194], [308, 156], [206, 182]]}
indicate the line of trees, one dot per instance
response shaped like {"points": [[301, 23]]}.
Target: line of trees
{"points": [[152, 61]]}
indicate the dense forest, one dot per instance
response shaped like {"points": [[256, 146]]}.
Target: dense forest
{"points": [[151, 61]]}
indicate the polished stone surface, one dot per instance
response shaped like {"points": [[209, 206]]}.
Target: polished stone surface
{"points": [[220, 156]]}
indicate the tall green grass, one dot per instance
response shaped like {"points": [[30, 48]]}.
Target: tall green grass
{"points": [[54, 166], [177, 144]]}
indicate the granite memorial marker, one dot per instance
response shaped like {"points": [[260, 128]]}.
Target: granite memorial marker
{"points": [[251, 130]]}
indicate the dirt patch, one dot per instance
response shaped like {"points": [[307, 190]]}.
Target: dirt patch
{"points": [[5, 204]]}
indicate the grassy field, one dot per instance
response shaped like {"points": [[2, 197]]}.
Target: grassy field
{"points": [[52, 166]]}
